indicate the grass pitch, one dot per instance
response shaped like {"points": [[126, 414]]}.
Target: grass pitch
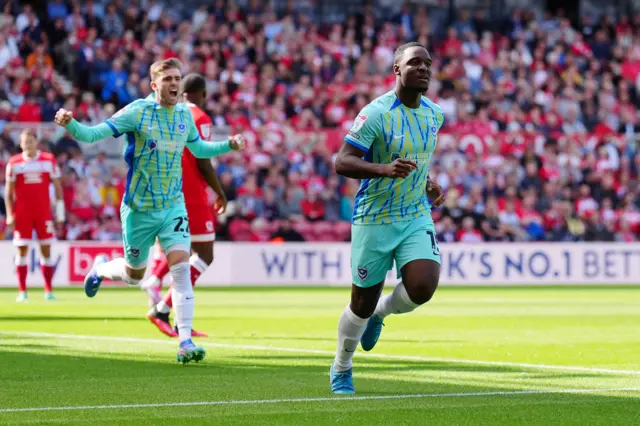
{"points": [[472, 356]]}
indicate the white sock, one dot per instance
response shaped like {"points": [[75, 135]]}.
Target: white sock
{"points": [[162, 307], [115, 270], [397, 302], [350, 329], [152, 281], [21, 261], [45, 261], [183, 301]]}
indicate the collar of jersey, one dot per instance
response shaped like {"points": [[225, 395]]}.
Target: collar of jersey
{"points": [[25, 158], [152, 97]]}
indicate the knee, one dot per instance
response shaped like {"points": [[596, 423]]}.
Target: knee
{"points": [[363, 310], [45, 251], [423, 296], [133, 276], [422, 291]]}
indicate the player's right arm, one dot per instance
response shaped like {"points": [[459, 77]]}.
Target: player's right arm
{"points": [[125, 120], [207, 171], [9, 191], [350, 160], [202, 149]]}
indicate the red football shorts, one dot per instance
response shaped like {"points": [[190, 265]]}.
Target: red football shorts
{"points": [[24, 225], [201, 223]]}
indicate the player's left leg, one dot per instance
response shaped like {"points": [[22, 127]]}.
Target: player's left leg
{"points": [[45, 232], [23, 228], [47, 268], [22, 270], [199, 261], [203, 236], [418, 262], [176, 243], [371, 257]]}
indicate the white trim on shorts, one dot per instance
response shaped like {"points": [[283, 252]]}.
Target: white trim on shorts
{"points": [[178, 247], [136, 266], [21, 242], [203, 238]]}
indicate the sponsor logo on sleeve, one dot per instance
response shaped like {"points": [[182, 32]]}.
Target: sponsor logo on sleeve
{"points": [[358, 123]]}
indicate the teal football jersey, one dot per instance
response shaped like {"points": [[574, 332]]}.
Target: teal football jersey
{"points": [[156, 137], [385, 130]]}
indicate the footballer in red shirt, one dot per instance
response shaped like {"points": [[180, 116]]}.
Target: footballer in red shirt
{"points": [[197, 175], [29, 176]]}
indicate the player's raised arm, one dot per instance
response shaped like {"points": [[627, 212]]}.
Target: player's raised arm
{"points": [[202, 149], [350, 160], [125, 120]]}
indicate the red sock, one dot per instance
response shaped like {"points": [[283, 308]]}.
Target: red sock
{"points": [[160, 269], [154, 262], [21, 272], [47, 273], [167, 299], [195, 274]]}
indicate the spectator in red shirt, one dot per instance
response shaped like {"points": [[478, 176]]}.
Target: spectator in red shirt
{"points": [[468, 233], [29, 111], [312, 207]]}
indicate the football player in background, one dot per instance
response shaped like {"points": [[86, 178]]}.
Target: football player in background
{"points": [[29, 176]]}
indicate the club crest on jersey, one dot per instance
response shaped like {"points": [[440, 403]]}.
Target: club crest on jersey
{"points": [[153, 144], [434, 129], [363, 273], [182, 128], [134, 252], [358, 123]]}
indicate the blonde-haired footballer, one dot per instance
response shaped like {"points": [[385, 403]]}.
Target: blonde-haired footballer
{"points": [[157, 129]]}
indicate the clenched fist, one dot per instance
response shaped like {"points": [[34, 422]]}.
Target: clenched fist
{"points": [[400, 168], [63, 117], [236, 142]]}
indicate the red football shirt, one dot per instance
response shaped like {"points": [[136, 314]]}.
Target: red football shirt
{"points": [[32, 177], [194, 185]]}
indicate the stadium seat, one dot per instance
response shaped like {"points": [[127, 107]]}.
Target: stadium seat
{"points": [[324, 231], [239, 230], [343, 230]]}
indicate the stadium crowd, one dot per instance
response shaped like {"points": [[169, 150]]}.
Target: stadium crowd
{"points": [[539, 141]]}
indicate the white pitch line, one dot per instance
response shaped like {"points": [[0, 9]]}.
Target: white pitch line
{"points": [[325, 399], [332, 353]]}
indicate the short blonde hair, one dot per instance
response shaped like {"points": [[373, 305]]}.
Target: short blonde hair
{"points": [[160, 66]]}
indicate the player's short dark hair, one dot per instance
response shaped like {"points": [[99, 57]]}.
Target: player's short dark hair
{"points": [[193, 82], [400, 50]]}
